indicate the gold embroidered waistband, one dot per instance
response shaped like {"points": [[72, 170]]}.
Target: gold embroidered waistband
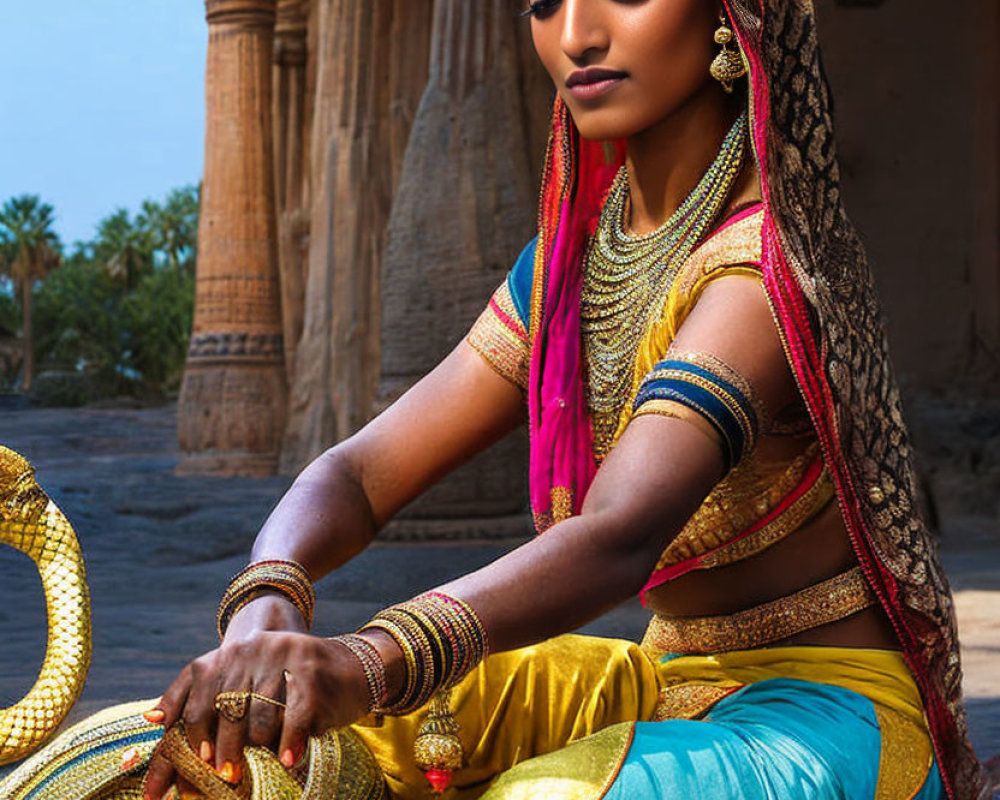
{"points": [[820, 604]]}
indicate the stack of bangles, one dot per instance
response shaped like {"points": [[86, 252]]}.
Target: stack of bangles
{"points": [[441, 637], [288, 578]]}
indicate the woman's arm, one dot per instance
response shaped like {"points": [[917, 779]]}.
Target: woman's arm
{"points": [[332, 512], [645, 491], [647, 488], [338, 503]]}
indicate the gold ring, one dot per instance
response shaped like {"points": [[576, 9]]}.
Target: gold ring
{"points": [[268, 700], [232, 706]]}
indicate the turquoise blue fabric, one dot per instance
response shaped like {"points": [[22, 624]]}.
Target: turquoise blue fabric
{"points": [[779, 739], [519, 281]]}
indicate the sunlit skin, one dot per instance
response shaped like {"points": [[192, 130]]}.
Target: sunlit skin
{"points": [[673, 117]]}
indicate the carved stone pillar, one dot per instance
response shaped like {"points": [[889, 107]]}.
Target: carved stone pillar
{"points": [[290, 164], [466, 206], [232, 403], [371, 68]]}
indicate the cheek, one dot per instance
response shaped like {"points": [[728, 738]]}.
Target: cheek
{"points": [[674, 54], [546, 41]]}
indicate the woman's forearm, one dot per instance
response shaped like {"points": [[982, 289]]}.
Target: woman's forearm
{"points": [[322, 521], [580, 568], [587, 564], [556, 582]]}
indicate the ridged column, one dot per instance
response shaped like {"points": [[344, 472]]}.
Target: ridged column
{"points": [[232, 404], [466, 206], [290, 162], [371, 69]]}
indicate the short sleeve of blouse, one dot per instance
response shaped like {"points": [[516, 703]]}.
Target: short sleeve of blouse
{"points": [[500, 335]]}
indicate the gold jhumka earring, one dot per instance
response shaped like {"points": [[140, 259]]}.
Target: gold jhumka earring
{"points": [[728, 65]]}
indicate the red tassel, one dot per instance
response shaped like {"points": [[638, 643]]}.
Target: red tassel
{"points": [[440, 779]]}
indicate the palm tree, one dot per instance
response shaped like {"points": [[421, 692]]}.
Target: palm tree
{"points": [[173, 227], [124, 247], [29, 250]]}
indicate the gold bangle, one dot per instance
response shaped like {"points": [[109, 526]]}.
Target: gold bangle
{"points": [[402, 704], [428, 648], [288, 578]]}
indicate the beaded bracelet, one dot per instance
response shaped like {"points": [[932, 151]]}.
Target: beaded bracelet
{"points": [[371, 663], [289, 578]]}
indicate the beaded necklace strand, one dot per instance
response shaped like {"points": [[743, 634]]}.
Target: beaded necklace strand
{"points": [[625, 275]]}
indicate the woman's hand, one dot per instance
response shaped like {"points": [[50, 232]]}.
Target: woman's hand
{"points": [[321, 682]]}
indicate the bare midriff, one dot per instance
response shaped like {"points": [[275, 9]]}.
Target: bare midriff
{"points": [[820, 549]]}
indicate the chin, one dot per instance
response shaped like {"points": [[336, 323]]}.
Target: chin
{"points": [[604, 126], [615, 121]]}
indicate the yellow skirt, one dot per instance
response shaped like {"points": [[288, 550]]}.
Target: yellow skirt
{"points": [[534, 701]]}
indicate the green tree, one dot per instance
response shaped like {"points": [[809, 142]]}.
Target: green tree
{"points": [[29, 250], [155, 323], [78, 318], [173, 227], [124, 247]]}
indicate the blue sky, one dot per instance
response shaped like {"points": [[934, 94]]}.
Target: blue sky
{"points": [[101, 105]]}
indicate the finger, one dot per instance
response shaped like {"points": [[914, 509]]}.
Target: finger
{"points": [[159, 777], [264, 725], [231, 737], [199, 710], [297, 725], [188, 791], [169, 707]]}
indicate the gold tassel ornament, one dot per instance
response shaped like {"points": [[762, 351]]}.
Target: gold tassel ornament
{"points": [[437, 748]]}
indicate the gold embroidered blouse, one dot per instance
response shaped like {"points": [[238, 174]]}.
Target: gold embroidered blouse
{"points": [[760, 501]]}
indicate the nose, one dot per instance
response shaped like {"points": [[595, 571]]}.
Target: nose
{"points": [[583, 30]]}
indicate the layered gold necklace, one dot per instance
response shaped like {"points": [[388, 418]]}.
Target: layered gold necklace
{"points": [[627, 279]]}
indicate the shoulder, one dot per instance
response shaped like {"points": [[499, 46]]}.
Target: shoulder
{"points": [[520, 279], [738, 241], [734, 248]]}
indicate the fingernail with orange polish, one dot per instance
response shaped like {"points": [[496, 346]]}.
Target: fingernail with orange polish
{"points": [[189, 795], [288, 758], [154, 716], [206, 751], [229, 772]]}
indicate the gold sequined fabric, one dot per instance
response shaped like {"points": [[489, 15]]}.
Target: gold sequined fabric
{"points": [[740, 502], [905, 758], [33, 524], [819, 604], [583, 770], [690, 700], [85, 763], [501, 339]]}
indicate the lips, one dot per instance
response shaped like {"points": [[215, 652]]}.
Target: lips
{"points": [[587, 84], [592, 75]]}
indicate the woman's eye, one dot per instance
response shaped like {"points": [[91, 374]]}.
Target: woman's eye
{"points": [[540, 8]]}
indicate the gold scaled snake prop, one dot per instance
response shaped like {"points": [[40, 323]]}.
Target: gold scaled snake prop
{"points": [[105, 757], [32, 523]]}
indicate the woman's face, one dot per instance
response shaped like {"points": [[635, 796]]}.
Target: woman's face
{"points": [[622, 66]]}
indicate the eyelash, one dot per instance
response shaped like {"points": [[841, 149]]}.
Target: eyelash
{"points": [[539, 7]]}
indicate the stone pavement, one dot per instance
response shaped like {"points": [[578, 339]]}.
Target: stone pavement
{"points": [[160, 548]]}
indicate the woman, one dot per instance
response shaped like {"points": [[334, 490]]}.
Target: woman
{"points": [[699, 342]]}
